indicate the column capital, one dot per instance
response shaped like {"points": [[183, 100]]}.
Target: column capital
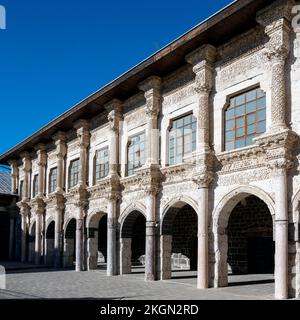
{"points": [[202, 60], [276, 19], [26, 160], [42, 154], [114, 108], [152, 92], [14, 166], [203, 180], [82, 129], [59, 137]]}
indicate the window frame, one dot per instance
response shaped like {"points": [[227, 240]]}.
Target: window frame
{"points": [[50, 179], [70, 173], [244, 116], [193, 141], [106, 164], [129, 144]]}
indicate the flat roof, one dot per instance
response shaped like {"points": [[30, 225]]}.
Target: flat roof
{"points": [[236, 18]]}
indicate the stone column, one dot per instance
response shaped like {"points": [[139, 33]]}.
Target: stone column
{"points": [[203, 181], [38, 235], [276, 20], [112, 227], [83, 134], [152, 92], [166, 256], [42, 161], [151, 235], [26, 168], [24, 212], [14, 175], [11, 237], [58, 233], [151, 88], [281, 229], [202, 60], [125, 256], [61, 150], [114, 108]]}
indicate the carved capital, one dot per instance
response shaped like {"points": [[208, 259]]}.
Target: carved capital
{"points": [[82, 128], [60, 139], [203, 180], [26, 159], [14, 167], [42, 154], [152, 93], [114, 108]]}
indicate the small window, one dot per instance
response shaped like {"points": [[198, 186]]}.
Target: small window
{"points": [[182, 139], [35, 188], [102, 163], [53, 180], [74, 173], [136, 153], [245, 119]]}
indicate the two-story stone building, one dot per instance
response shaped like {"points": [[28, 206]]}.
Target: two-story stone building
{"points": [[189, 160]]}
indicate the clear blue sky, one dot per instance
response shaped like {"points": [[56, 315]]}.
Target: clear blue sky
{"points": [[55, 53]]}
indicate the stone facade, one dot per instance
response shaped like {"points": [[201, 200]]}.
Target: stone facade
{"points": [[212, 182]]}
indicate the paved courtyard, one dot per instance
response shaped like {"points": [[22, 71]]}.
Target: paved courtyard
{"points": [[47, 283]]}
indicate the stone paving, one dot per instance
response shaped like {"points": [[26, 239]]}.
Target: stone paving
{"points": [[49, 283]]}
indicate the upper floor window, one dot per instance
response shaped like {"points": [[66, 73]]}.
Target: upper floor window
{"points": [[74, 173], [182, 138], [53, 180], [21, 189], [35, 185], [245, 119], [102, 163], [136, 153]]}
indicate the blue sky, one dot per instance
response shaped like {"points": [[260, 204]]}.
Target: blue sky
{"points": [[55, 53]]}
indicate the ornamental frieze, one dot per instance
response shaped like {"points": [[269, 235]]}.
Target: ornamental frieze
{"points": [[245, 177], [179, 96]]}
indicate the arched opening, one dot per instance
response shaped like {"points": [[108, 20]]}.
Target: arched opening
{"points": [[245, 243], [179, 242], [69, 256], [49, 254], [133, 237], [97, 241], [31, 243]]}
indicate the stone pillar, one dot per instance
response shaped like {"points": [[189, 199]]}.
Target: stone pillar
{"points": [[11, 238], [24, 212], [79, 265], [281, 231], [202, 60], [125, 256], [112, 227], [151, 88], [42, 160], [38, 235], [14, 175], [58, 236], [203, 182], [26, 168], [114, 108], [276, 20], [83, 134], [61, 150], [151, 236]]}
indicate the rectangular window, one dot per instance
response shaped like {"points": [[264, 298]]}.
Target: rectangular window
{"points": [[53, 180], [136, 153], [245, 119], [102, 163], [35, 188], [182, 141], [74, 173]]}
